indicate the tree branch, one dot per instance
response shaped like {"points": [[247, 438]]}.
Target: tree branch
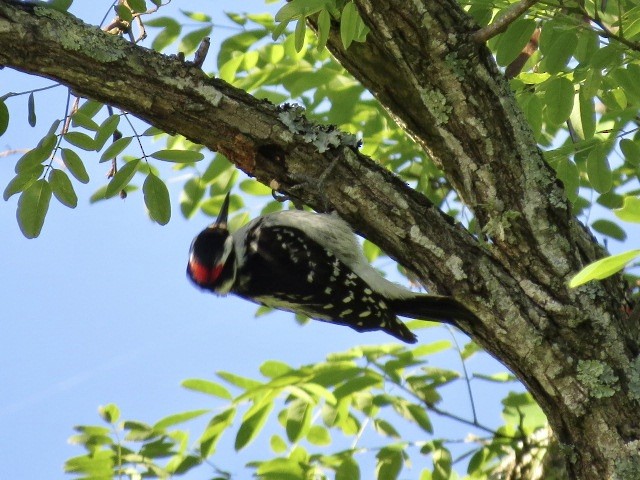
{"points": [[502, 23]]}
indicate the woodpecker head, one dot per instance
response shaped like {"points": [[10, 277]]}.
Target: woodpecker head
{"points": [[211, 257]]}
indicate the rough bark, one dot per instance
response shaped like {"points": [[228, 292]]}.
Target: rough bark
{"points": [[574, 349]]}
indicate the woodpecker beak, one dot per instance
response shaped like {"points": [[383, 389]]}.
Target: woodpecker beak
{"points": [[221, 221]]}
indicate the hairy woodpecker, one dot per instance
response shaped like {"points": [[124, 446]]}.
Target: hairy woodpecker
{"points": [[309, 263]]}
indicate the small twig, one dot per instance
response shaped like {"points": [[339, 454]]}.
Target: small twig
{"points": [[466, 374], [16, 94], [501, 23], [14, 151], [201, 53]]}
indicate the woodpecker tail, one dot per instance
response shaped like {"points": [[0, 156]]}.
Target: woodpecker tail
{"points": [[432, 307], [400, 331]]}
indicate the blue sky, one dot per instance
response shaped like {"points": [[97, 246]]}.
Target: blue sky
{"points": [[98, 310]]}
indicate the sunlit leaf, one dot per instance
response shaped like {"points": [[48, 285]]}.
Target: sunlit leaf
{"points": [[251, 426], [318, 435], [178, 418], [348, 470], [630, 211], [208, 387], [603, 268], [110, 413]]}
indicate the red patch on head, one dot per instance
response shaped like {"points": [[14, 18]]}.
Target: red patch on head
{"points": [[203, 275]]}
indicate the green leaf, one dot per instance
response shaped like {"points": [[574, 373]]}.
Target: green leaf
{"points": [[156, 198], [348, 470], [190, 196], [569, 174], [73, 162], [431, 348], [558, 99], [324, 28], [138, 5], [441, 464], [37, 155], [609, 229], [191, 41], [587, 114], [562, 48], [31, 104], [420, 416], [177, 156], [300, 32], [598, 170], [197, 16], [178, 418], [603, 268], [32, 208], [122, 178], [60, 5], [319, 435], [298, 420], [4, 117], [253, 187], [105, 131], [238, 381], [79, 119], [214, 430], [170, 32], [208, 387], [124, 12], [81, 140], [501, 377], [385, 428], [278, 445], [630, 211], [251, 426], [349, 22], [631, 151], [389, 463], [110, 413], [22, 181], [355, 385], [115, 149], [273, 368], [513, 40], [62, 188]]}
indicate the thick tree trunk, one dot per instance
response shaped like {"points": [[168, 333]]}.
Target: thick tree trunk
{"points": [[574, 349]]}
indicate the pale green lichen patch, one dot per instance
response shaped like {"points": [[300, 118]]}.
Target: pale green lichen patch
{"points": [[73, 36], [598, 378], [323, 137], [628, 468], [634, 379], [436, 103]]}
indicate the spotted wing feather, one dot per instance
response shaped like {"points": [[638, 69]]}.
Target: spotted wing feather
{"points": [[284, 269]]}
